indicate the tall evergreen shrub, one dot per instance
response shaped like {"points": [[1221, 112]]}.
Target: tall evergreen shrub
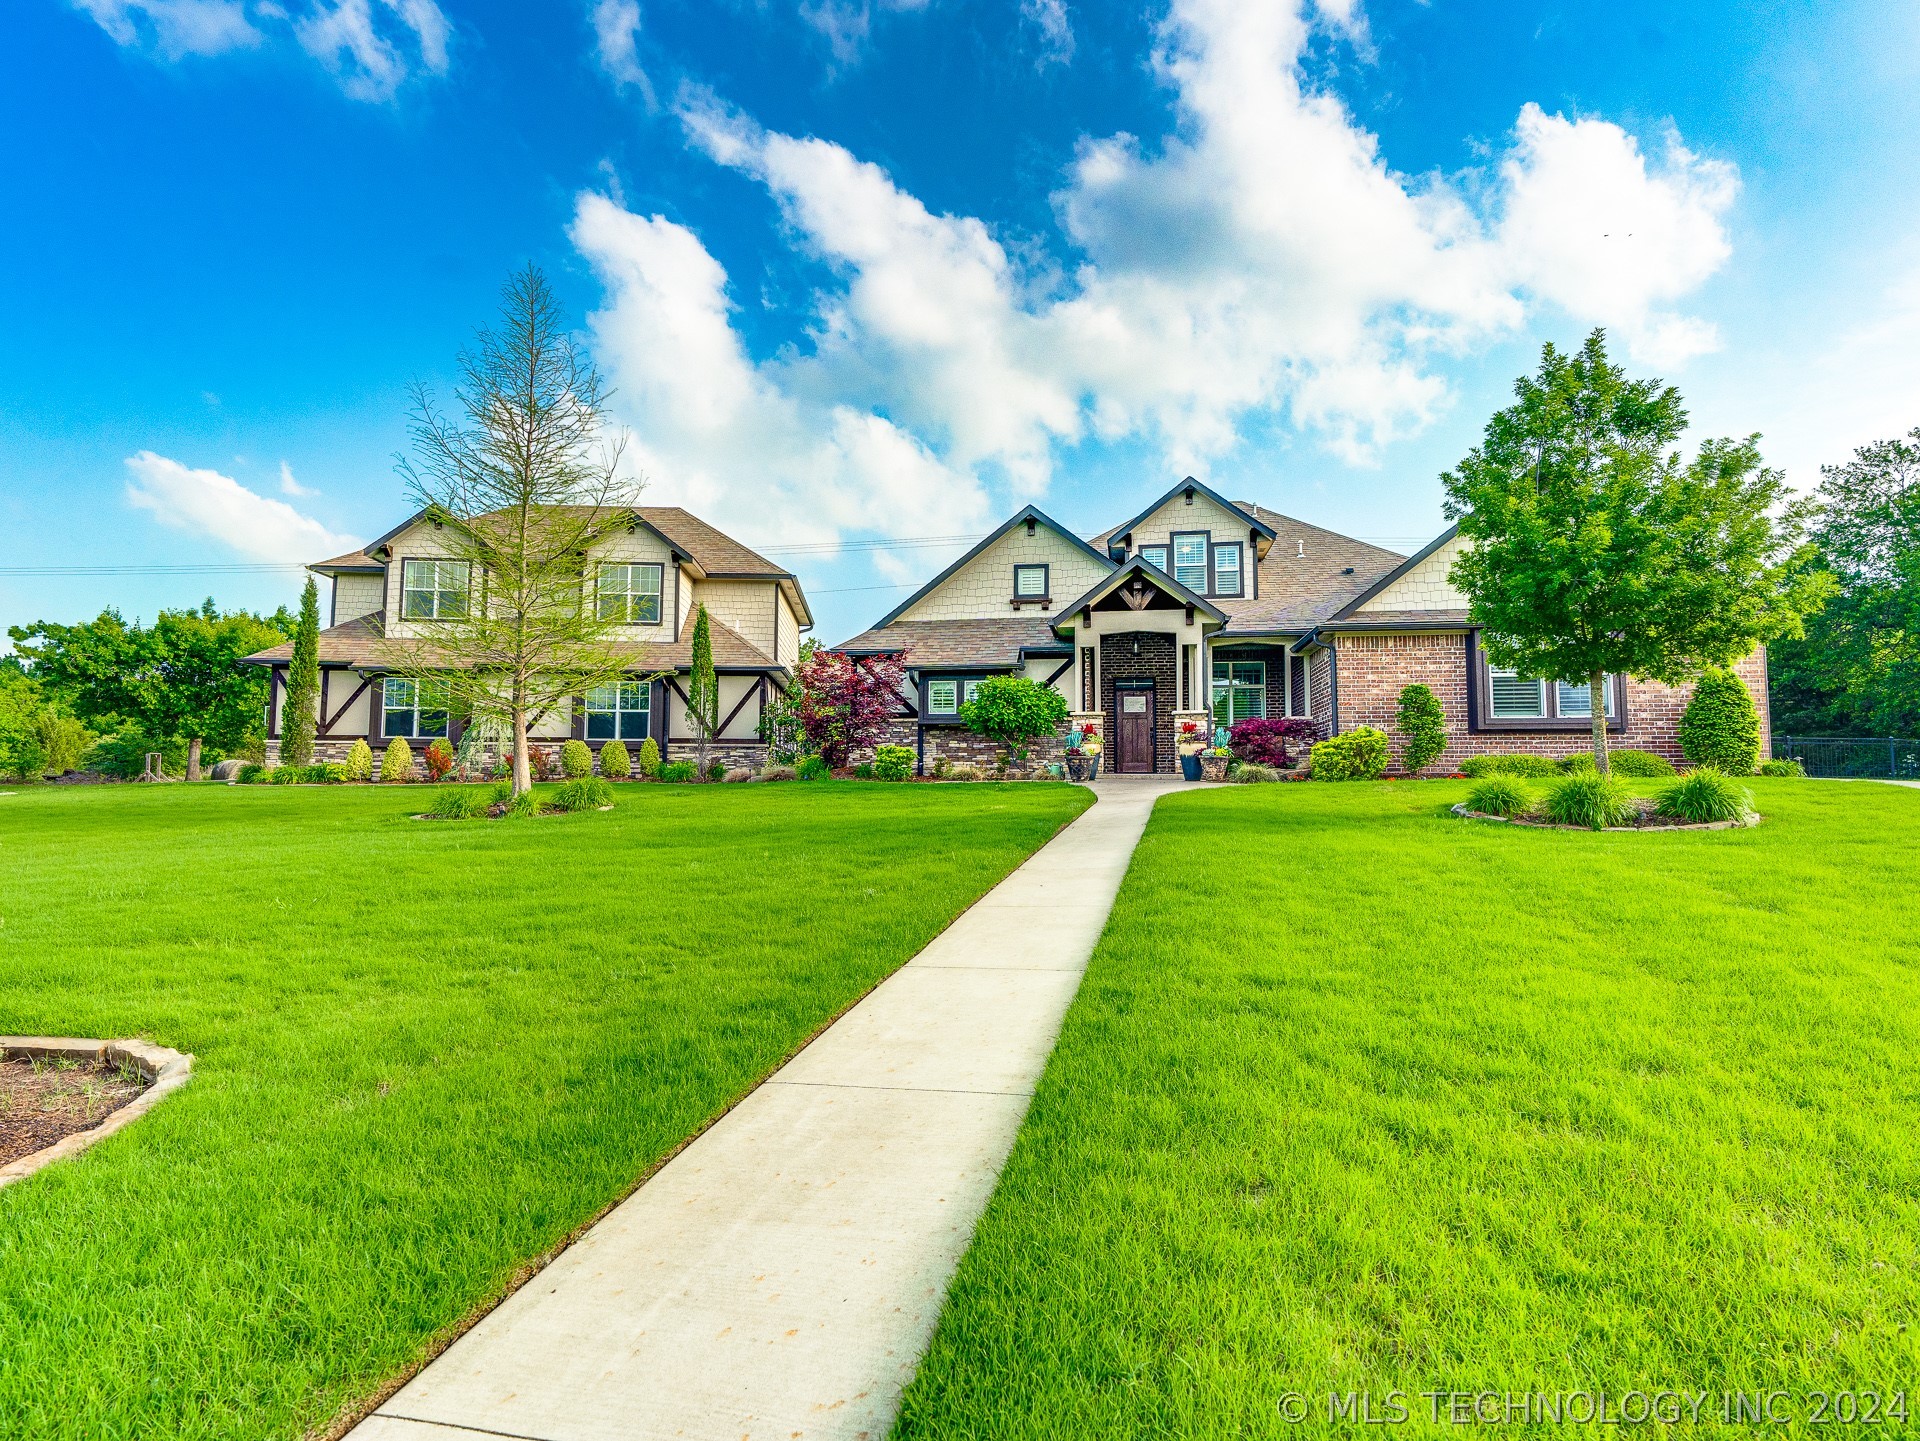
{"points": [[303, 683], [1423, 728], [1720, 727]]}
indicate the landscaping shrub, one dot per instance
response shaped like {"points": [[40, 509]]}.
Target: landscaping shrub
{"points": [[615, 763], [1262, 740], [677, 771], [1356, 755], [716, 769], [455, 802], [1015, 711], [397, 762], [284, 776], [739, 774], [1528, 767], [1705, 794], [576, 760], [250, 774], [1252, 773], [1789, 768], [583, 793], [1643, 764], [541, 763], [1575, 763], [439, 760], [813, 768], [520, 806], [893, 763], [863, 771], [1423, 723], [326, 773], [359, 761], [649, 763], [777, 773], [1500, 795], [1587, 798], [964, 771], [1720, 727]]}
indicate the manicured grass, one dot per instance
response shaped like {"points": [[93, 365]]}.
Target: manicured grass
{"points": [[427, 1052], [1356, 1097]]}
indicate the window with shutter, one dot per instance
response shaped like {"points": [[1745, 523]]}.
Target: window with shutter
{"points": [[1155, 556], [1190, 561], [1515, 696], [1574, 698], [943, 697]]}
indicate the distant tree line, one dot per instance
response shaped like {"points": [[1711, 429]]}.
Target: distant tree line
{"points": [[106, 693]]}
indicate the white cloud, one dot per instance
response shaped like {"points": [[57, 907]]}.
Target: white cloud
{"points": [[207, 503], [1263, 260], [174, 28], [370, 52], [290, 486], [846, 24], [616, 30], [1049, 17], [1590, 227]]}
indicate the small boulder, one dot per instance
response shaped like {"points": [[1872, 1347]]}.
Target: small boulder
{"points": [[226, 770], [738, 773]]}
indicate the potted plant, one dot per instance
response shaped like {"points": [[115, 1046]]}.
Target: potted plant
{"points": [[1083, 753], [1190, 742], [1213, 763]]}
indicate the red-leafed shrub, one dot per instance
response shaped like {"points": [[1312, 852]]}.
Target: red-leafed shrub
{"points": [[541, 762], [439, 760], [1262, 741]]}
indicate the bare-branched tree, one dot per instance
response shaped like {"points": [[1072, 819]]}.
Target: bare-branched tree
{"points": [[525, 483]]}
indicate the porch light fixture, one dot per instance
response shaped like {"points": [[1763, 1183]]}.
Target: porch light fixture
{"points": [[1136, 648]]}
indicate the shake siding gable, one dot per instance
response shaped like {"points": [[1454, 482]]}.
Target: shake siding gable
{"points": [[1176, 515], [355, 596], [786, 630], [982, 589], [1424, 587], [745, 605]]}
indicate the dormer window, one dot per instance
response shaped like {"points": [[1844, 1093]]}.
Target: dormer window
{"points": [[629, 594], [1228, 570], [1031, 584], [434, 589], [1190, 560]]}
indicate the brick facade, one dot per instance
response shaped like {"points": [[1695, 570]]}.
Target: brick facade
{"points": [[1375, 668], [1157, 661]]}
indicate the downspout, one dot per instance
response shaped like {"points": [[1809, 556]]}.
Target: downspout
{"points": [[1333, 677]]}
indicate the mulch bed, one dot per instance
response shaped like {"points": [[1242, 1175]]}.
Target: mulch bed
{"points": [[42, 1102]]}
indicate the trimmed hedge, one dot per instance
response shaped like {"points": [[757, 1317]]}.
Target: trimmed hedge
{"points": [[576, 760], [1644, 765], [359, 761], [1720, 727], [649, 763], [397, 763], [1536, 768], [893, 763], [1360, 754], [1423, 721], [615, 763]]}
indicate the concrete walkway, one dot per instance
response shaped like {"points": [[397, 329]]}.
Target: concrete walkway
{"points": [[781, 1276]]}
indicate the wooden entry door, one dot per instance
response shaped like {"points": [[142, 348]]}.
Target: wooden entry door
{"points": [[1133, 732]]}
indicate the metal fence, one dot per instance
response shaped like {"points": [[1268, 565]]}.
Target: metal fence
{"points": [[1841, 756]]}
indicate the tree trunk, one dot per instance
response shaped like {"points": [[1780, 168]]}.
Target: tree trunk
{"points": [[1597, 702], [522, 770], [193, 759]]}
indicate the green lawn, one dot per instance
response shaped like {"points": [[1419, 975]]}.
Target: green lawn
{"points": [[427, 1052], [1358, 1098]]}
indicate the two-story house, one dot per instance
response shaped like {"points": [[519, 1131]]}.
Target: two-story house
{"points": [[648, 578], [1209, 610]]}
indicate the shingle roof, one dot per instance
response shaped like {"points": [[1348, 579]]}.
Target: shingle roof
{"points": [[352, 560], [990, 644], [1303, 578], [364, 644], [1437, 619]]}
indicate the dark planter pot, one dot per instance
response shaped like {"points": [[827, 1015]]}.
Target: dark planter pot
{"points": [[1082, 767], [1190, 767]]}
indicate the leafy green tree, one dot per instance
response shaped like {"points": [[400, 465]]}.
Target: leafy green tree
{"points": [[1594, 548], [1014, 711], [1857, 669], [303, 682], [703, 692], [1423, 726]]}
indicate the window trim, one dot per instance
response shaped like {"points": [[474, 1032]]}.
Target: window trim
{"points": [[436, 591], [1480, 716], [659, 591], [1045, 595], [645, 711], [1165, 564], [1213, 567], [414, 710], [1205, 538], [962, 682]]}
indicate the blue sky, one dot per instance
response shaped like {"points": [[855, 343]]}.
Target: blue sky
{"points": [[871, 271]]}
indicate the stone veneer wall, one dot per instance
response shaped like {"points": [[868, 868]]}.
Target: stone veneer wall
{"points": [[962, 746], [1159, 661], [734, 753], [1375, 668]]}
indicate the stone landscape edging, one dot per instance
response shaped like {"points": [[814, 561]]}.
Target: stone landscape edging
{"points": [[166, 1071], [1460, 810]]}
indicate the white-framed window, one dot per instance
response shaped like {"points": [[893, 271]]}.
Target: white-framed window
{"points": [[1155, 556], [1239, 690], [1513, 697], [1228, 570], [434, 589], [618, 712], [411, 708], [943, 697], [629, 594], [1190, 561], [1573, 698], [1030, 582]]}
